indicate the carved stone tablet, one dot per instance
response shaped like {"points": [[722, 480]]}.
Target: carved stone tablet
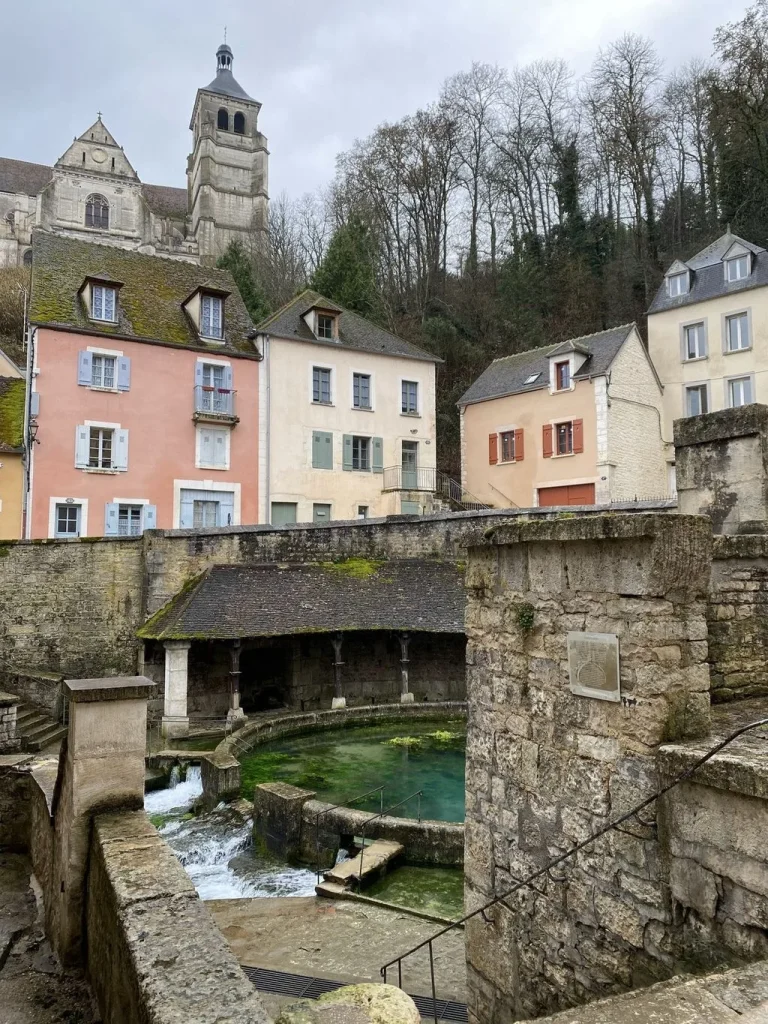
{"points": [[593, 665]]}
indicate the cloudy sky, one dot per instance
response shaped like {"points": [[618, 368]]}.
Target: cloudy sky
{"points": [[325, 73]]}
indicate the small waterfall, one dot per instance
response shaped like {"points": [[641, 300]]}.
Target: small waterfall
{"points": [[179, 796]]}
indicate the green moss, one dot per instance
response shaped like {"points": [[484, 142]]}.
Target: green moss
{"points": [[355, 568], [525, 617], [461, 566], [148, 632], [4, 551], [12, 395], [404, 741]]}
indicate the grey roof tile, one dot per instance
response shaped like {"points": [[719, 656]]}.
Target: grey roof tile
{"points": [[231, 601], [20, 176], [166, 201], [508, 375], [354, 331], [226, 84]]}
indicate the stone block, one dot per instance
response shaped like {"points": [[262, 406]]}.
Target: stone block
{"points": [[277, 818], [619, 918]]}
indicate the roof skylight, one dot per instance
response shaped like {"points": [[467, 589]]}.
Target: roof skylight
{"points": [[533, 378]]}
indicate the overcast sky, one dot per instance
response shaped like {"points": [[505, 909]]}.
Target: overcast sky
{"points": [[325, 73]]}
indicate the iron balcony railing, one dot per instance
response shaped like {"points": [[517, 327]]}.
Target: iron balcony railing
{"points": [[218, 403], [403, 478]]}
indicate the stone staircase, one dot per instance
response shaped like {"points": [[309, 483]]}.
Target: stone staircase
{"points": [[37, 729], [359, 870]]}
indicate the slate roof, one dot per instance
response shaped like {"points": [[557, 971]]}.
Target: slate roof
{"points": [[707, 280], [12, 391], [153, 291], [355, 331], [230, 601], [21, 176], [226, 84], [166, 201], [507, 376]]}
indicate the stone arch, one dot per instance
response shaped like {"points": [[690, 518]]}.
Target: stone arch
{"points": [[96, 212], [222, 119], [239, 123]]}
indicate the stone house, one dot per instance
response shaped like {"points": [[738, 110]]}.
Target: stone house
{"points": [[347, 427], [92, 192], [12, 392], [145, 391], [576, 423], [708, 331]]}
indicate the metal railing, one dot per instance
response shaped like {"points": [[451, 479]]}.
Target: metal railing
{"points": [[402, 478], [211, 401], [385, 810], [333, 807], [547, 869]]}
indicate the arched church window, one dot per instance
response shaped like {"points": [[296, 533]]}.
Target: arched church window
{"points": [[223, 120], [28, 258], [239, 123], [97, 212]]}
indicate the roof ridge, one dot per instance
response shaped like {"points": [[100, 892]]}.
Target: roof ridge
{"points": [[567, 341]]}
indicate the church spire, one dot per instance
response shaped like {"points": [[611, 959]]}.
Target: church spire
{"points": [[223, 58]]}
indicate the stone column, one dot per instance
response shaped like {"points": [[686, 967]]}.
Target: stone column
{"points": [[339, 700], [235, 713], [101, 768], [406, 697], [175, 718]]}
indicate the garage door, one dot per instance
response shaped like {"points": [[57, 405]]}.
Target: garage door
{"points": [[573, 494]]}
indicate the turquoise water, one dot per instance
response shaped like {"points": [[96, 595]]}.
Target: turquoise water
{"points": [[437, 891], [341, 764]]}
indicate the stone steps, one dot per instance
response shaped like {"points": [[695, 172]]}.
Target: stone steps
{"points": [[374, 861], [37, 729]]}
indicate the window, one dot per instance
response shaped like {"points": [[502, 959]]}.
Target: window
{"points": [[410, 402], [103, 371], [212, 448], [213, 395], [361, 453], [694, 341], [211, 317], [67, 522], [361, 390], [129, 520], [362, 511], [100, 447], [204, 513], [562, 376], [737, 268], [222, 120], [739, 392], [321, 385], [737, 332], [677, 284], [325, 325], [239, 123], [508, 446], [103, 302], [96, 212], [532, 379], [696, 402], [564, 438]]}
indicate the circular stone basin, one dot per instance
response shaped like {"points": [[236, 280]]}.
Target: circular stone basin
{"points": [[341, 764]]}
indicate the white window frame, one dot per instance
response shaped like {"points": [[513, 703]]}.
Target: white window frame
{"points": [[322, 366], [419, 396], [731, 314], [553, 362], [199, 464], [114, 353], [334, 326], [730, 380], [696, 384], [681, 276], [555, 453], [369, 439], [371, 395], [69, 500], [733, 261], [217, 338], [509, 428], [113, 430], [684, 340], [205, 485], [91, 313]]}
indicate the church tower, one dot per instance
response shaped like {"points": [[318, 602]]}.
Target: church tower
{"points": [[227, 169]]}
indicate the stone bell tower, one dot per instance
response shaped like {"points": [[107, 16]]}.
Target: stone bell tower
{"points": [[227, 169]]}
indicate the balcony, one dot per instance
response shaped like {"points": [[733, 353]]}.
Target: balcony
{"points": [[214, 405], [448, 492]]}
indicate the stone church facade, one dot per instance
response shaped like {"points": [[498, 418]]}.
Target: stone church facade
{"points": [[93, 192]]}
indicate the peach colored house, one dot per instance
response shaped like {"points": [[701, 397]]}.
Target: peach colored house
{"points": [[578, 423], [144, 391]]}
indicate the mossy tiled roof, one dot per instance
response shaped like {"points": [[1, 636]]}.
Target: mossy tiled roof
{"points": [[151, 298], [12, 391]]}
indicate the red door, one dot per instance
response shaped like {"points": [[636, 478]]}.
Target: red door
{"points": [[572, 494]]}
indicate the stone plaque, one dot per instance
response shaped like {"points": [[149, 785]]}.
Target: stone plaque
{"points": [[593, 665]]}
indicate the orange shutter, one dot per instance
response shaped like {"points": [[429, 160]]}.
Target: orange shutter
{"points": [[493, 449], [578, 435], [548, 441], [519, 446]]}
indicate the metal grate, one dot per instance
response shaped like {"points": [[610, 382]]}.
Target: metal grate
{"points": [[304, 987]]}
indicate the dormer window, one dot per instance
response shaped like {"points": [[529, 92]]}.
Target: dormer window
{"points": [[326, 326], [212, 317], [103, 302], [677, 284], [563, 376], [737, 268]]}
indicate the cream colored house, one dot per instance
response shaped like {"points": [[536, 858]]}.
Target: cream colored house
{"points": [[708, 331], [576, 423], [346, 417]]}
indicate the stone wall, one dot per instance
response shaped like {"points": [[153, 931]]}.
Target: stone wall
{"points": [[546, 767], [9, 740]]}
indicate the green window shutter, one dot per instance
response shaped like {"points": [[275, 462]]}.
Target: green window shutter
{"points": [[347, 452], [322, 449], [377, 460]]}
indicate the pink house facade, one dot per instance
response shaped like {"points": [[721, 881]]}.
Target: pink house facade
{"points": [[144, 395]]}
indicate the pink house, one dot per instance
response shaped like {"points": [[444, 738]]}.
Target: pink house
{"points": [[144, 392]]}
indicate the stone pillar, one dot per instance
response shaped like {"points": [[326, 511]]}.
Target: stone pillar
{"points": [[175, 718], [235, 715], [277, 819], [406, 697], [339, 700], [547, 766], [101, 768], [9, 741]]}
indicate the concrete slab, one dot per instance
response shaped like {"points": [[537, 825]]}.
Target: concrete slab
{"points": [[343, 941], [374, 859]]}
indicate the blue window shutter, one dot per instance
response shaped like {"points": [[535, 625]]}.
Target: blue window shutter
{"points": [[227, 378], [186, 510], [111, 519], [120, 457], [377, 458], [347, 452], [84, 367], [149, 517], [81, 446], [123, 373], [226, 508], [34, 403], [198, 374]]}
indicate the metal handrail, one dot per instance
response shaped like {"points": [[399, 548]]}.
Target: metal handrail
{"points": [[427, 478], [214, 401], [528, 882], [333, 807], [385, 810]]}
